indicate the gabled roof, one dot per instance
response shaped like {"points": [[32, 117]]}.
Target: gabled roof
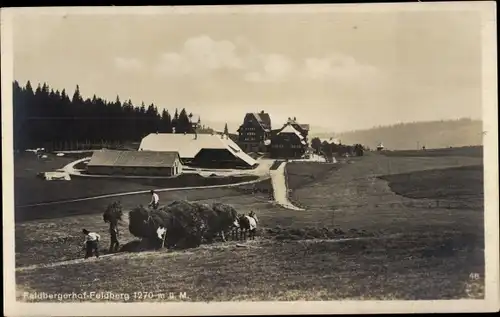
{"points": [[290, 129], [304, 127], [133, 158], [188, 145], [262, 118]]}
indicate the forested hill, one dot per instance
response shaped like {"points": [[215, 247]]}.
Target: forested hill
{"points": [[431, 134], [44, 117]]}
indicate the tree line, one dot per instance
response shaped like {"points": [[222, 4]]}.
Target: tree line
{"points": [[330, 149], [46, 118]]}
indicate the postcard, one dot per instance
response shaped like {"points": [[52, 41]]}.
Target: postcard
{"points": [[250, 159]]}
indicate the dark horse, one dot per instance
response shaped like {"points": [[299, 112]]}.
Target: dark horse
{"points": [[112, 215], [245, 225]]}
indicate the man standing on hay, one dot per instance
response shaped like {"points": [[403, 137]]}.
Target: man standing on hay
{"points": [[155, 200], [91, 244]]}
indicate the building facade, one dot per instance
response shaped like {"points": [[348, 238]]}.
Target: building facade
{"points": [[288, 143], [255, 132], [302, 128], [135, 163], [201, 150], [220, 159]]}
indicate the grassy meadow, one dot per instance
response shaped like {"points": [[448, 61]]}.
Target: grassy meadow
{"points": [[371, 230]]}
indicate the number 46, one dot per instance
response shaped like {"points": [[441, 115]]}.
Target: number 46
{"points": [[474, 276]]}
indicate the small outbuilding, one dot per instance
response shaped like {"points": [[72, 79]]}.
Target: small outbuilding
{"points": [[136, 163]]}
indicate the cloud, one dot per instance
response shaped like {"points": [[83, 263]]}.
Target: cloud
{"points": [[199, 56], [337, 67], [128, 63], [271, 68]]}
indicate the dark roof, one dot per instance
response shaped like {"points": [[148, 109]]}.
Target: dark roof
{"points": [[133, 158], [262, 118]]}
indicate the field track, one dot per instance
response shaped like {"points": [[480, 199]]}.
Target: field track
{"points": [[280, 188], [138, 193], [213, 246]]}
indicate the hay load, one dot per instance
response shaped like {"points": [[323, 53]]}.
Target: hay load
{"points": [[188, 224], [225, 216], [113, 213]]}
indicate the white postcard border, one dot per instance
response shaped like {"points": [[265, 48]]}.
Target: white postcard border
{"points": [[490, 115]]}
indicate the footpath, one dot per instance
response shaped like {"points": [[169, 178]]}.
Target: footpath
{"points": [[280, 188]]}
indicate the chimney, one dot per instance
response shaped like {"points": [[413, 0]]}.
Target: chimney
{"points": [[262, 112], [173, 130], [294, 118]]}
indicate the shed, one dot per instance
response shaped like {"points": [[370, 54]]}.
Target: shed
{"points": [[137, 163]]}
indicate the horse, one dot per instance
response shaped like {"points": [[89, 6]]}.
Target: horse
{"points": [[245, 224], [220, 220]]}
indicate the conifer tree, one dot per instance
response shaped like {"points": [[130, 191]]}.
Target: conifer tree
{"points": [[49, 118]]}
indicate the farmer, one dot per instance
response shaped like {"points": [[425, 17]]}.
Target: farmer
{"points": [[155, 200], [91, 243], [254, 216], [161, 232], [113, 231]]}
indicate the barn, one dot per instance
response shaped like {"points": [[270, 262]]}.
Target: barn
{"points": [[200, 150], [137, 163]]}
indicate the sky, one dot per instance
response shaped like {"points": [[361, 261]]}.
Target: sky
{"points": [[334, 70]]}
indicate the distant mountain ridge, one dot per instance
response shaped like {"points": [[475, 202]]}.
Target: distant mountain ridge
{"points": [[408, 136]]}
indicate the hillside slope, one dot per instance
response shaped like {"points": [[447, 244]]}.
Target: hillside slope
{"points": [[405, 136]]}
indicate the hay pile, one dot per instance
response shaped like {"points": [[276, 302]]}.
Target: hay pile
{"points": [[188, 224], [113, 213]]}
